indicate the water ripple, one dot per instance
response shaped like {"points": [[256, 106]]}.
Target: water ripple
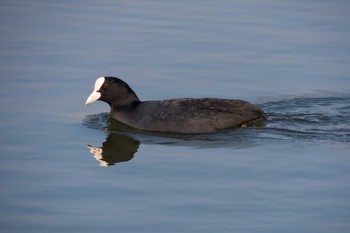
{"points": [[310, 118]]}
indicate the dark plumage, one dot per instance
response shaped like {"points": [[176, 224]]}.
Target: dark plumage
{"points": [[185, 115]]}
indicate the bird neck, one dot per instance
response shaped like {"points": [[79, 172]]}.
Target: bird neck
{"points": [[125, 104]]}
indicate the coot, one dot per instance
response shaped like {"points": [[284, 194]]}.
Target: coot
{"points": [[184, 115]]}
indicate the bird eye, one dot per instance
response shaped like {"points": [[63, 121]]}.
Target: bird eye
{"points": [[105, 86]]}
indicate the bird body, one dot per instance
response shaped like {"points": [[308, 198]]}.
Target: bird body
{"points": [[183, 115]]}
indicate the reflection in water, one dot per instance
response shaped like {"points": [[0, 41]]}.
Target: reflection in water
{"points": [[117, 148]]}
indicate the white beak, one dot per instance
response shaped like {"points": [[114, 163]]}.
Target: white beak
{"points": [[95, 95]]}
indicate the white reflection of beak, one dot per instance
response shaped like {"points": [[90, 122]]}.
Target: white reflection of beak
{"points": [[97, 153]]}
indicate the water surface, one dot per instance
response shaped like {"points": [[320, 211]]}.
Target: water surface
{"points": [[65, 167]]}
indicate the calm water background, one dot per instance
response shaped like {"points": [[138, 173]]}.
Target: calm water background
{"points": [[289, 57]]}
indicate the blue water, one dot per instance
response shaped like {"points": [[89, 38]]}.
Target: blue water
{"points": [[67, 167]]}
